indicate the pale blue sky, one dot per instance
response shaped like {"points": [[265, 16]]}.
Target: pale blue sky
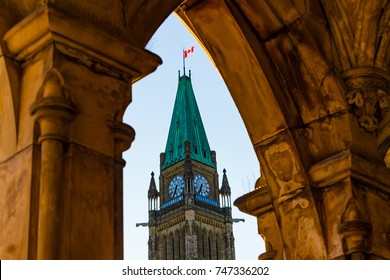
{"points": [[150, 114]]}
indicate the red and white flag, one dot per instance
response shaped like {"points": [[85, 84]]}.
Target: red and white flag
{"points": [[189, 51]]}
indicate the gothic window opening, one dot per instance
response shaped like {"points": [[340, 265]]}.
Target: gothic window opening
{"points": [[205, 249], [179, 249], [209, 243], [216, 248], [171, 247]]}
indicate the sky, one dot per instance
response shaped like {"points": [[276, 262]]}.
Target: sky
{"points": [[150, 115]]}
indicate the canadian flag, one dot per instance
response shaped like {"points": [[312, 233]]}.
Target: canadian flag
{"points": [[188, 51]]}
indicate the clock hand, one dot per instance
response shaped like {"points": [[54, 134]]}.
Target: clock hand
{"points": [[174, 193], [200, 190]]}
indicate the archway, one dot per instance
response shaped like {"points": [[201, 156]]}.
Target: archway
{"points": [[320, 131], [224, 128]]}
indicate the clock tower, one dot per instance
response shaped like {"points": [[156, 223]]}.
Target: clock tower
{"points": [[190, 216]]}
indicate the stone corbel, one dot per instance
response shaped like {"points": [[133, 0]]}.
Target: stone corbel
{"points": [[368, 96], [354, 231]]}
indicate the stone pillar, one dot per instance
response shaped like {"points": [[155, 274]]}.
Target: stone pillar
{"points": [[79, 176], [123, 135], [190, 236], [153, 242], [229, 241], [54, 113]]}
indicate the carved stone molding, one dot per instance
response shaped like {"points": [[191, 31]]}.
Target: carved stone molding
{"points": [[367, 95], [345, 165], [89, 45]]}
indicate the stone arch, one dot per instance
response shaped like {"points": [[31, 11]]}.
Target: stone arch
{"points": [[308, 125]]}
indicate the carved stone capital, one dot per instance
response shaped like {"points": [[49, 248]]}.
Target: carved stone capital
{"points": [[367, 95], [123, 135], [54, 115]]}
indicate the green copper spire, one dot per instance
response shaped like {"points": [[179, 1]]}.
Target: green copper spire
{"points": [[186, 125]]}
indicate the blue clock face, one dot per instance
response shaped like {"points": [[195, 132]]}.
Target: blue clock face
{"points": [[201, 185], [176, 186]]}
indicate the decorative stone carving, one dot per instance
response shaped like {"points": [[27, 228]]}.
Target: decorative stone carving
{"points": [[46, 26], [281, 161], [367, 87]]}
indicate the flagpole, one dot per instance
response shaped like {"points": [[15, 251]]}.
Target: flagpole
{"points": [[184, 65]]}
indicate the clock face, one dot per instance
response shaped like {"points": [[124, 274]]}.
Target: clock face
{"points": [[176, 186], [201, 185]]}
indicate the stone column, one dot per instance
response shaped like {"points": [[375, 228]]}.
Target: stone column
{"points": [[123, 135], [190, 236], [79, 213], [154, 246], [54, 113]]}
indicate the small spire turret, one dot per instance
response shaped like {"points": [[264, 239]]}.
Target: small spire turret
{"points": [[225, 191], [153, 194]]}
